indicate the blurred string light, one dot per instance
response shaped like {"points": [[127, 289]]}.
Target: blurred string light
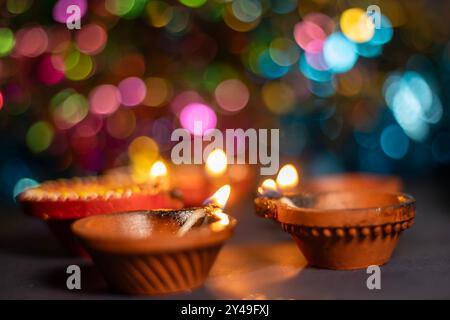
{"points": [[60, 9], [132, 91], [39, 136], [200, 114], [68, 108], [394, 142], [414, 104], [91, 39], [356, 25], [7, 41], [18, 6], [193, 3], [22, 185], [283, 6], [339, 53], [159, 13], [159, 92], [104, 99], [232, 95]]}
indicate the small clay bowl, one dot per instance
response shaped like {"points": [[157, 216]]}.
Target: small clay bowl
{"points": [[343, 230], [141, 252], [60, 202], [353, 181]]}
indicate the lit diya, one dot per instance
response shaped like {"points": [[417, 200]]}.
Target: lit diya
{"points": [[159, 251], [196, 182], [61, 202], [340, 229]]}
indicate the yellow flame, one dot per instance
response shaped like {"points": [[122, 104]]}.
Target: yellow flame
{"points": [[158, 169], [223, 217], [267, 185], [216, 163], [220, 197], [287, 178]]}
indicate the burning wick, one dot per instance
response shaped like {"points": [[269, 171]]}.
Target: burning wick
{"points": [[216, 163], [287, 180], [213, 205]]}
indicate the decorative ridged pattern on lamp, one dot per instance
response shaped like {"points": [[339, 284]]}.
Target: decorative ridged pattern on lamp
{"points": [[156, 274]]}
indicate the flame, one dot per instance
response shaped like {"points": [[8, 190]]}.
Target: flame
{"points": [[158, 169], [287, 178], [220, 197], [216, 163], [268, 185], [223, 217]]}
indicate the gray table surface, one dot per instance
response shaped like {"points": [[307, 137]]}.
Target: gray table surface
{"points": [[260, 262]]}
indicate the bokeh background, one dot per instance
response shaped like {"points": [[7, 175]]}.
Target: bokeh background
{"points": [[345, 95]]}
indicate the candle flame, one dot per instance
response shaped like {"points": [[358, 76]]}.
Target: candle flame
{"points": [[287, 178], [267, 185], [158, 169], [216, 163], [220, 197]]}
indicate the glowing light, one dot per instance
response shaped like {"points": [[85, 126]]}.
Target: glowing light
{"points": [[183, 99], [119, 7], [132, 91], [7, 41], [357, 25], [143, 152], [268, 68], [1, 100], [179, 22], [104, 99], [312, 73], [232, 95], [235, 23], [39, 136], [413, 103], [339, 53], [247, 10], [60, 9], [383, 34], [78, 66], [267, 185], [47, 72], [198, 118], [283, 6], [312, 31], [220, 197], [287, 177], [158, 169], [284, 52], [31, 42], [159, 12], [278, 97], [216, 163], [193, 3], [394, 142], [121, 123], [91, 39], [18, 7], [159, 92], [22, 185], [68, 108]]}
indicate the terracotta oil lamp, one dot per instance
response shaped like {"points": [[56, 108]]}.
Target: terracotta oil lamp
{"points": [[159, 251], [339, 229], [60, 202]]}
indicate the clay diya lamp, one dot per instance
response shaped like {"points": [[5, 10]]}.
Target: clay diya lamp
{"points": [[353, 181], [342, 230], [160, 251], [59, 203]]}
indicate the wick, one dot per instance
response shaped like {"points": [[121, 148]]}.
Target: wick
{"points": [[195, 216]]}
